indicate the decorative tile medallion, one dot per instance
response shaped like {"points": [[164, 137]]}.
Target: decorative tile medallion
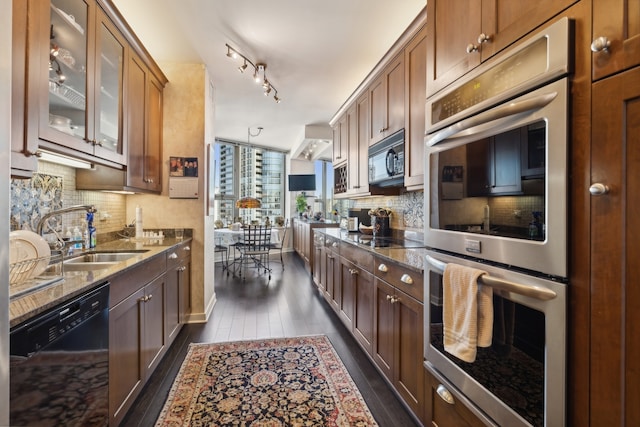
{"points": [[413, 209], [32, 198]]}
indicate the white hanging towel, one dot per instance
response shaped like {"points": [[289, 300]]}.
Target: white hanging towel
{"points": [[467, 312]]}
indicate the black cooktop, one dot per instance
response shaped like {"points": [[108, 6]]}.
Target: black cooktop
{"points": [[383, 242]]}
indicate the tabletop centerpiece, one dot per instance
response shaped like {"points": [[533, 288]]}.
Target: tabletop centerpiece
{"points": [[380, 222]]}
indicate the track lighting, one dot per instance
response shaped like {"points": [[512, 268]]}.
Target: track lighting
{"points": [[259, 72]]}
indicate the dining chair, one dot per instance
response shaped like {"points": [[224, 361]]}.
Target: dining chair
{"points": [[254, 250], [224, 250], [281, 241]]}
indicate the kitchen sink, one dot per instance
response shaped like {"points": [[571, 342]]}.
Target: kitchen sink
{"points": [[98, 260]]}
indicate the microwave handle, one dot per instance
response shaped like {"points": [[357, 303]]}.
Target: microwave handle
{"points": [[506, 110], [390, 162], [530, 291]]}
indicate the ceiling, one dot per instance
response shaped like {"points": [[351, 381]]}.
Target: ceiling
{"points": [[316, 52]]}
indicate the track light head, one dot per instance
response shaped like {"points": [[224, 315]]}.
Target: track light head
{"points": [[243, 67], [259, 72]]}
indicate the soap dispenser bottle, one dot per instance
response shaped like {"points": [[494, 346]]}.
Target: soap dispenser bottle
{"points": [[91, 230]]}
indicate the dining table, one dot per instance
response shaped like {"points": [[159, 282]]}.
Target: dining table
{"points": [[229, 238]]}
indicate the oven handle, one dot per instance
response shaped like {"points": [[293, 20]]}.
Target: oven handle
{"points": [[510, 109], [531, 291]]}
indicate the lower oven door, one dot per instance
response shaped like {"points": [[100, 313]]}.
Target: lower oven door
{"points": [[519, 380]]}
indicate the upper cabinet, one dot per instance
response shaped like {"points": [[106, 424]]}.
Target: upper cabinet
{"points": [[616, 36], [76, 64], [73, 85], [358, 176], [415, 64], [463, 33], [340, 140], [386, 100]]}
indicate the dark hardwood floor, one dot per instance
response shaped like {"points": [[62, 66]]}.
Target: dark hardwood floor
{"points": [[288, 305]]}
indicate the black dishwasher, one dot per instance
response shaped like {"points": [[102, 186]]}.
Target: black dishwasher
{"points": [[59, 364]]}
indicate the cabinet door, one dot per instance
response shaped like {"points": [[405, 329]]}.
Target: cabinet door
{"points": [[185, 291], [409, 339], [125, 352], [153, 141], [464, 33], [23, 150], [415, 62], [333, 280], [64, 89], [353, 149], [154, 340], [452, 26], [317, 265], [136, 83], [340, 140], [172, 314], [362, 118], [105, 130], [619, 22], [363, 317], [383, 328], [615, 249], [386, 101], [346, 302]]}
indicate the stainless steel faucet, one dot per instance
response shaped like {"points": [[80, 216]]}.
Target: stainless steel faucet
{"points": [[45, 217]]}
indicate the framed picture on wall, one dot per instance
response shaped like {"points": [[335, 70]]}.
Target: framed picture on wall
{"points": [[183, 166]]}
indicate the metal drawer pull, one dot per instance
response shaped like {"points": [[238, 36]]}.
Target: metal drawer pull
{"points": [[334, 244], [598, 189], [352, 271], [187, 248], [406, 279], [531, 291], [600, 44], [392, 299], [383, 268], [173, 255], [445, 394]]}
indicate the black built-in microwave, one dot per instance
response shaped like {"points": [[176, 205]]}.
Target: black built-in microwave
{"points": [[386, 161]]}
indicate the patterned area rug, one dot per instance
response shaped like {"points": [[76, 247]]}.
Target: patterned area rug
{"points": [[276, 382]]}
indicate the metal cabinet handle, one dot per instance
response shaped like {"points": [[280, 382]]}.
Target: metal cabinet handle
{"points": [[472, 48], [406, 279], [173, 255], [334, 244], [483, 38], [601, 44], [445, 394], [183, 268], [29, 153], [392, 299], [149, 297], [330, 257], [353, 272], [187, 248], [598, 189], [383, 268]]}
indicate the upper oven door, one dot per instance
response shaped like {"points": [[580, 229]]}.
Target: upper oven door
{"points": [[498, 183]]}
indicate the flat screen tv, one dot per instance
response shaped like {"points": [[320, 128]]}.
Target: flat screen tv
{"points": [[302, 182]]}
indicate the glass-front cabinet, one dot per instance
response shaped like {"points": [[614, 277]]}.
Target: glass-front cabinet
{"points": [[83, 67]]}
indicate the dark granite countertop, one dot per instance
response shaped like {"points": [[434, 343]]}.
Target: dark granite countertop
{"points": [[411, 258], [27, 305]]}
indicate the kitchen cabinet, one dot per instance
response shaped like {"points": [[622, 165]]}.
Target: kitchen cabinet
{"points": [[332, 272], [340, 141], [23, 159], [615, 224], [319, 265], [178, 289], [363, 288], [616, 36], [415, 60], [494, 165], [398, 334], [445, 413], [303, 239], [356, 267], [386, 101], [358, 159], [465, 33], [137, 332], [75, 80], [144, 128]]}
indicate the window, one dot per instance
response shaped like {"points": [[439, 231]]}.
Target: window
{"points": [[242, 171]]}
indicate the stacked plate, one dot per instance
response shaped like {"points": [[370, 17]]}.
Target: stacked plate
{"points": [[29, 256]]}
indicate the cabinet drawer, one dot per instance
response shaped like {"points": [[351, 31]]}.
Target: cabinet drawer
{"points": [[357, 256], [177, 254], [403, 278], [130, 281], [332, 243]]}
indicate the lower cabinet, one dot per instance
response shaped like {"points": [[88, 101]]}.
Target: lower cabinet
{"points": [[148, 306], [318, 246], [178, 289], [331, 256], [398, 339], [137, 341]]}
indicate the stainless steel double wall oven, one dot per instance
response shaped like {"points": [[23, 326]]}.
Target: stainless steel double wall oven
{"points": [[496, 199]]}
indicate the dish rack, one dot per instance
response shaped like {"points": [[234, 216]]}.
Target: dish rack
{"points": [[20, 273]]}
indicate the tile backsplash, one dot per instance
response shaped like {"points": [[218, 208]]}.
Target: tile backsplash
{"points": [[54, 187], [407, 210]]}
